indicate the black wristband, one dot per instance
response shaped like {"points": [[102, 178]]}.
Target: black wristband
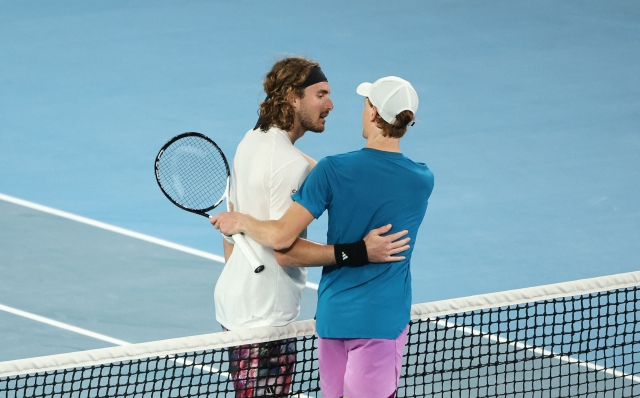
{"points": [[351, 253]]}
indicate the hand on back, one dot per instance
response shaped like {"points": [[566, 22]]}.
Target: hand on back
{"points": [[383, 249]]}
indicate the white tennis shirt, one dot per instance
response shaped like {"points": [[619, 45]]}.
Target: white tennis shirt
{"points": [[267, 170]]}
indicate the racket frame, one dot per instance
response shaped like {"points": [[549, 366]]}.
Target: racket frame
{"points": [[238, 239]]}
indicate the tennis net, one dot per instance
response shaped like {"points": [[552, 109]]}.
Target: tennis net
{"points": [[574, 339]]}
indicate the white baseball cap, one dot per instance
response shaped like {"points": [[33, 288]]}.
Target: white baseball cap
{"points": [[390, 95]]}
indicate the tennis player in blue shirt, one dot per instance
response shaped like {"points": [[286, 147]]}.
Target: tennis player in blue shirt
{"points": [[363, 308]]}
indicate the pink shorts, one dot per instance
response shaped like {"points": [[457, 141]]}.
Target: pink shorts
{"points": [[360, 367]]}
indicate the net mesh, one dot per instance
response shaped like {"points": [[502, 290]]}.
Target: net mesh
{"points": [[579, 345], [192, 171]]}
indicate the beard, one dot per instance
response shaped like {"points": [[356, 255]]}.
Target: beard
{"points": [[308, 123]]}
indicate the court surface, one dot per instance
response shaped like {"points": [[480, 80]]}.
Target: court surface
{"points": [[529, 118]]}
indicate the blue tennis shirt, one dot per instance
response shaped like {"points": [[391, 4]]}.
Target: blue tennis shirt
{"points": [[363, 190]]}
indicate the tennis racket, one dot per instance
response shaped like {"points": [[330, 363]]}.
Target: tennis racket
{"points": [[193, 174]]}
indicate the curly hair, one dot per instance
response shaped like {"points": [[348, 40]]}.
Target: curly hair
{"points": [[284, 79]]}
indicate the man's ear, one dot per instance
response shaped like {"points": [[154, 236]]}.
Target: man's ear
{"points": [[373, 114], [293, 100]]}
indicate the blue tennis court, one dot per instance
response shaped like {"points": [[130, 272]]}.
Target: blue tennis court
{"points": [[528, 118]]}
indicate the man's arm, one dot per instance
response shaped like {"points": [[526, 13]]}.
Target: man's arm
{"points": [[380, 249], [277, 234], [282, 236], [305, 253]]}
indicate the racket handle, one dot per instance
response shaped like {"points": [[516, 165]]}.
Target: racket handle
{"points": [[242, 244]]}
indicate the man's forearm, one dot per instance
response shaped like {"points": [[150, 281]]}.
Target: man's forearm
{"points": [[377, 249], [260, 231], [270, 233], [277, 234], [305, 253]]}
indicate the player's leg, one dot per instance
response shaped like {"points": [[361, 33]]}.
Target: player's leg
{"points": [[332, 357], [264, 369], [277, 361], [242, 367], [373, 367]]}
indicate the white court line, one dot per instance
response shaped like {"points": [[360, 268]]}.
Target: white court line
{"points": [[122, 231], [175, 357], [98, 336], [112, 228], [62, 325], [115, 229], [537, 350]]}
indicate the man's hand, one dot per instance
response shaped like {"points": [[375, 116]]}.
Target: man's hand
{"points": [[228, 223], [381, 249]]}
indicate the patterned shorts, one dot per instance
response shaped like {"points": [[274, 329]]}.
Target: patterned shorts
{"points": [[263, 369]]}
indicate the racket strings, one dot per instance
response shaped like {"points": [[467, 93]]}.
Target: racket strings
{"points": [[193, 172]]}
